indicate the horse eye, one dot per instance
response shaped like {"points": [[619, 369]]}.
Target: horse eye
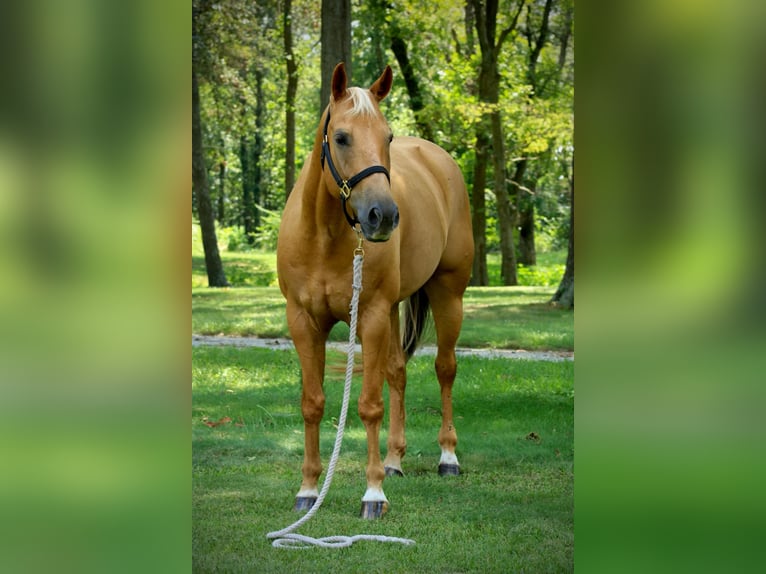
{"points": [[390, 138], [341, 139]]}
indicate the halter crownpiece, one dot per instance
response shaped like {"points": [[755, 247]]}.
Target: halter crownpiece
{"points": [[346, 185]]}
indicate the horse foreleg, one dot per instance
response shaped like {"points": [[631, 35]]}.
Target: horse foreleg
{"points": [[396, 375], [310, 344], [375, 342]]}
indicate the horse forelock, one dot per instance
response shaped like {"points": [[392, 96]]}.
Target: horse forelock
{"points": [[361, 103]]}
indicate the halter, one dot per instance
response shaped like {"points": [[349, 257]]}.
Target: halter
{"points": [[346, 185]]}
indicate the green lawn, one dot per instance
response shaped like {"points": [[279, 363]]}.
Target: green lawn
{"points": [[510, 511], [495, 317]]}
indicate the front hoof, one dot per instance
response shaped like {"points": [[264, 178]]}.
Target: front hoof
{"points": [[391, 471], [304, 503], [374, 509], [449, 469]]}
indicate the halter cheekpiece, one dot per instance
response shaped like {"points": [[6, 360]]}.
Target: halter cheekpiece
{"points": [[346, 185]]}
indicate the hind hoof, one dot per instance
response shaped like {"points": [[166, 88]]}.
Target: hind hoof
{"points": [[373, 509], [391, 471], [449, 470], [304, 503]]}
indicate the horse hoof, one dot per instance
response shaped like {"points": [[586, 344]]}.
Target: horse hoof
{"points": [[304, 503], [449, 470], [391, 471], [374, 509]]}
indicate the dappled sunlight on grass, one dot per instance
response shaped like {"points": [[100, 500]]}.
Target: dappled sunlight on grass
{"points": [[245, 478]]}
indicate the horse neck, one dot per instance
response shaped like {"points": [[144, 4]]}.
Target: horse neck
{"points": [[322, 213]]}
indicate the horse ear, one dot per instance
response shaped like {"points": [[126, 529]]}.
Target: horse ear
{"points": [[382, 85], [339, 82]]}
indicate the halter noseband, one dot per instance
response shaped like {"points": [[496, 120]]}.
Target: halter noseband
{"points": [[346, 185]]}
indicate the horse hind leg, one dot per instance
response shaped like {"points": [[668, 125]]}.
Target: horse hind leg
{"points": [[445, 294]]}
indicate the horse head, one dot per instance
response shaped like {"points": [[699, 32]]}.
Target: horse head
{"points": [[356, 145]]}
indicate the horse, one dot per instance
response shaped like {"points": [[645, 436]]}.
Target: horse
{"points": [[408, 200]]}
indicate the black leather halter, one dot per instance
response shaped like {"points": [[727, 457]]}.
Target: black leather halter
{"points": [[346, 185]]}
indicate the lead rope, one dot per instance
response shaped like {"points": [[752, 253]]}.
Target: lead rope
{"points": [[285, 538]]}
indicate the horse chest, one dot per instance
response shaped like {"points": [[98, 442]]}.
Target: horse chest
{"points": [[325, 297]]}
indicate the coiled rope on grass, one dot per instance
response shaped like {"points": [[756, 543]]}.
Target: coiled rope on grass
{"points": [[286, 538]]}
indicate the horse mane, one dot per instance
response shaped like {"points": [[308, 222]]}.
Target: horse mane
{"points": [[362, 103]]}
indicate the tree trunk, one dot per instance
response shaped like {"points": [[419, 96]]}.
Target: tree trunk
{"points": [[485, 14], [336, 43], [506, 215], [213, 265], [480, 275], [245, 218], [527, 251], [292, 89], [221, 191], [564, 296], [257, 181], [414, 90]]}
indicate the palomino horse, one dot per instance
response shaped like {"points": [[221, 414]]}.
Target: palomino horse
{"points": [[409, 198]]}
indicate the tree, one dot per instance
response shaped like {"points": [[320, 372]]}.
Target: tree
{"points": [[215, 274], [491, 123], [336, 43], [292, 89], [564, 296], [536, 41]]}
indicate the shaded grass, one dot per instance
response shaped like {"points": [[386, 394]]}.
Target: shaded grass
{"points": [[510, 510]]}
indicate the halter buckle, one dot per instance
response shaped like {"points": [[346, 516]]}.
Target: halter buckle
{"points": [[345, 190]]}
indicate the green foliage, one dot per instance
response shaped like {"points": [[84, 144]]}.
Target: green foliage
{"points": [[510, 511], [236, 39], [547, 276]]}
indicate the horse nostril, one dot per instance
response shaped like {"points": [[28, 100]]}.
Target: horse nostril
{"points": [[396, 216], [374, 217]]}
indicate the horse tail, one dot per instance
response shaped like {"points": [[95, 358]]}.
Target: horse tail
{"points": [[415, 314]]}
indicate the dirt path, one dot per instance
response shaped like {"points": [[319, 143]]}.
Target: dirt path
{"points": [[282, 344]]}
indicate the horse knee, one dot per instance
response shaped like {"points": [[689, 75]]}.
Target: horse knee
{"points": [[370, 410], [312, 409]]}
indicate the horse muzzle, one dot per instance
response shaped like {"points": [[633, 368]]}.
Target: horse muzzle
{"points": [[378, 218]]}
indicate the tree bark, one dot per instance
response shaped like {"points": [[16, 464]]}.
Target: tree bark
{"points": [[221, 191], [526, 217], [506, 212], [527, 251], [292, 89], [336, 43], [564, 296], [260, 121], [213, 265], [485, 14], [480, 275]]}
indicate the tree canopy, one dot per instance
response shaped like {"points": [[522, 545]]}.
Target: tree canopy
{"points": [[521, 126]]}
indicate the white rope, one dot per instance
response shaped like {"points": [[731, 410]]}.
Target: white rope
{"points": [[285, 538]]}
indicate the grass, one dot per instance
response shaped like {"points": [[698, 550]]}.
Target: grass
{"points": [[510, 511], [495, 317]]}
